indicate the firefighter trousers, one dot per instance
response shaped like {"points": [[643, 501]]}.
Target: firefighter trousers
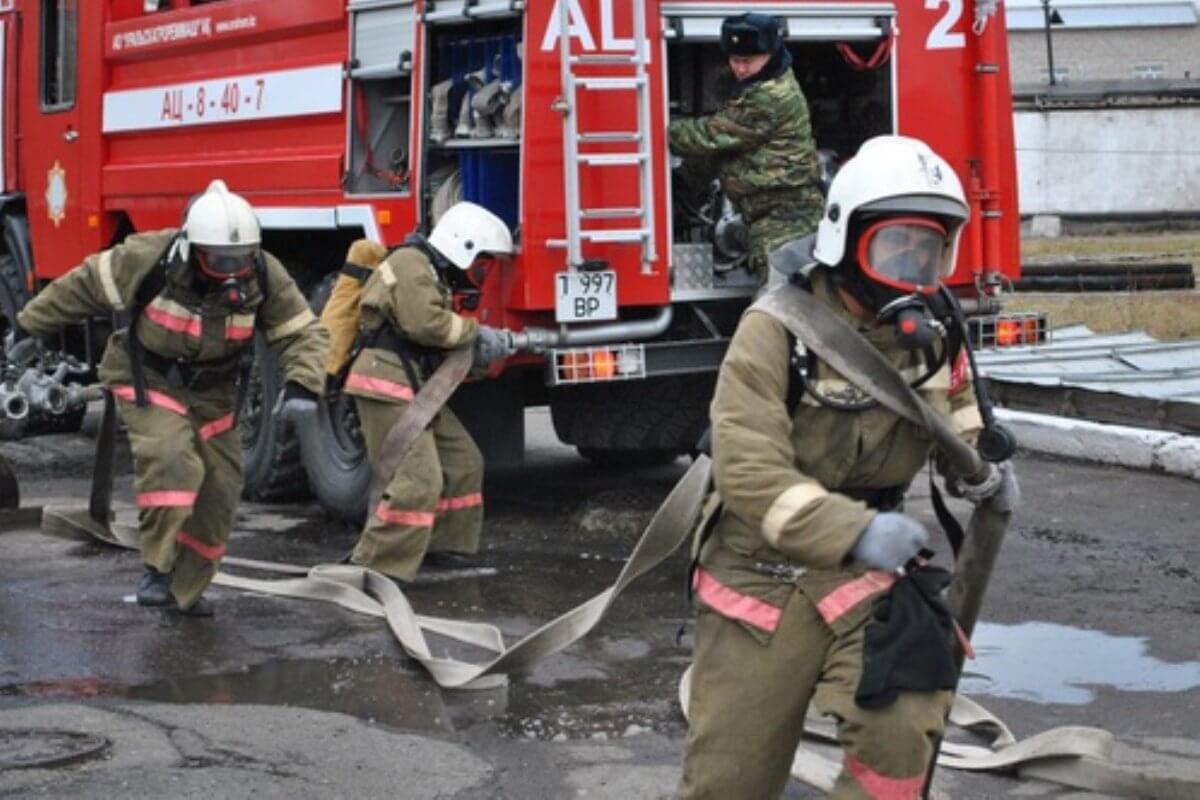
{"points": [[187, 462], [748, 701], [434, 500]]}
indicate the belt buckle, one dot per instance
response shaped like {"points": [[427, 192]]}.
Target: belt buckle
{"points": [[783, 571]]}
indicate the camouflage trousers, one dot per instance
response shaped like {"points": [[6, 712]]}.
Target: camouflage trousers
{"points": [[773, 231], [748, 702], [434, 500], [187, 461]]}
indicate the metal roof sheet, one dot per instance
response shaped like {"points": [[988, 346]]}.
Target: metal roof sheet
{"points": [[1025, 15], [1132, 364]]}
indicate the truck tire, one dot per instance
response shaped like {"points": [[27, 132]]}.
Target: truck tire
{"points": [[335, 460], [271, 461], [13, 294], [633, 423]]}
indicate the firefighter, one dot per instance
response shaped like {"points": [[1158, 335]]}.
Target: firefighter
{"points": [[760, 144], [195, 297], [431, 510], [812, 532]]}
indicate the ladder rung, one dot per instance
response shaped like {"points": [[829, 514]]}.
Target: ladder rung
{"points": [[609, 137], [615, 236], [612, 159], [606, 59], [610, 213], [610, 84]]}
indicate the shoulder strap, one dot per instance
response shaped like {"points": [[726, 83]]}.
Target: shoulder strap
{"points": [[843, 348], [151, 285]]}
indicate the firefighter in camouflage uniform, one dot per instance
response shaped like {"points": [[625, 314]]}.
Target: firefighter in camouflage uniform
{"points": [[196, 296], [760, 144], [812, 535], [432, 507]]}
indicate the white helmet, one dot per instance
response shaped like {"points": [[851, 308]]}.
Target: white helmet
{"points": [[224, 230], [467, 231], [892, 175]]}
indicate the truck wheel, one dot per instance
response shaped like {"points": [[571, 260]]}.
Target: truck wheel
{"points": [[633, 422], [13, 294], [271, 462], [336, 460]]}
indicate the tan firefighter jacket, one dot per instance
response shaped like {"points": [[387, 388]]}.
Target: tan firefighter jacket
{"points": [[786, 522], [199, 328], [405, 298]]}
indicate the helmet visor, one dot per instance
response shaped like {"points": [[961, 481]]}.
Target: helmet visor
{"points": [[225, 262], [906, 253]]}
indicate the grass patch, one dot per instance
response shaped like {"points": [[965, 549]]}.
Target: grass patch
{"points": [[1149, 247], [1164, 315]]}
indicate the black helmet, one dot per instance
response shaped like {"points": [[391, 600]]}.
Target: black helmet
{"points": [[750, 35]]}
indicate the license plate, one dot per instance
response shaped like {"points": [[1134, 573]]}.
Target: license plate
{"points": [[585, 296]]}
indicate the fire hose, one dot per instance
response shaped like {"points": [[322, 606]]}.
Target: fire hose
{"points": [[1071, 756]]}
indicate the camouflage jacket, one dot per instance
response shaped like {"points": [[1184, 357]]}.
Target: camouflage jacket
{"points": [[405, 294], [784, 475], [760, 145], [182, 322]]}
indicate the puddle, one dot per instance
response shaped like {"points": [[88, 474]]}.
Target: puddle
{"points": [[1046, 663], [373, 690]]}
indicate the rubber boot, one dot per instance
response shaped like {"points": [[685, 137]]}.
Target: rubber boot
{"points": [[199, 608], [154, 590]]}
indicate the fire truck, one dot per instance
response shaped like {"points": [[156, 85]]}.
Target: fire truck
{"points": [[340, 119]]}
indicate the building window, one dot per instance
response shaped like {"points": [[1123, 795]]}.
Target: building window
{"points": [[1061, 74], [1149, 72], [59, 53]]}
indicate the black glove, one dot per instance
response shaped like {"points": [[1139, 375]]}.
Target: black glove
{"points": [[295, 402]]}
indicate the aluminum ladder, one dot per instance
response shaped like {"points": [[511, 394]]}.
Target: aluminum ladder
{"points": [[636, 79]]}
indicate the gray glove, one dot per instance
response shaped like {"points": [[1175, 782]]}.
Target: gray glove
{"points": [[295, 403], [889, 541], [999, 490], [491, 345]]}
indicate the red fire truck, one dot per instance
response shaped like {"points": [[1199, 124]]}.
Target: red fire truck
{"points": [[347, 118]]}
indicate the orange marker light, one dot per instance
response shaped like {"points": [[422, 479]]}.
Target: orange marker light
{"points": [[604, 364]]}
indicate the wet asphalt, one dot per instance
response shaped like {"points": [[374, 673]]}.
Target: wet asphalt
{"points": [[1090, 620]]}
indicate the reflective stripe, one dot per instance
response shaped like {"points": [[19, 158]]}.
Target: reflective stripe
{"points": [[168, 498], [216, 427], [881, 787], [239, 327], [787, 505], [209, 552], [461, 502], [422, 519], [155, 398], [456, 329], [379, 386], [386, 275], [174, 317], [735, 605], [966, 419], [849, 595], [960, 376], [293, 325], [109, 283]]}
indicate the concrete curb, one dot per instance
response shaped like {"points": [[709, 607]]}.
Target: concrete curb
{"points": [[1138, 448]]}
